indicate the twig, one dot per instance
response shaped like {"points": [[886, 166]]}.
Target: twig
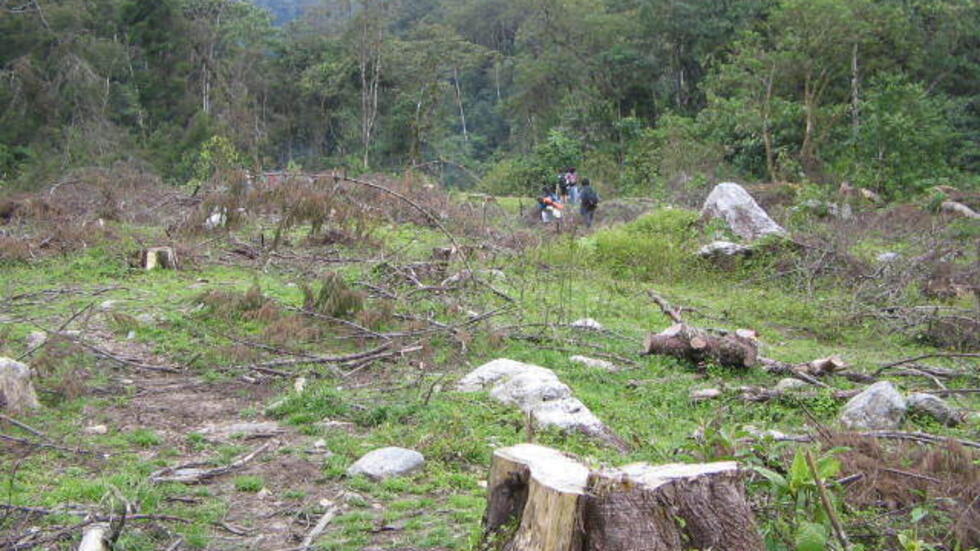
{"points": [[913, 475], [269, 367], [827, 505], [109, 355], [59, 330], [321, 525], [28, 428], [26, 442], [193, 474], [665, 307], [926, 356]]}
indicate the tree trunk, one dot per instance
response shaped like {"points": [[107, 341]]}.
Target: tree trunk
{"points": [[697, 346], [542, 500], [540, 489], [642, 507]]}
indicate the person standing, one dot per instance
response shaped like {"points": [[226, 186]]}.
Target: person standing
{"points": [[571, 181], [589, 202], [550, 205]]}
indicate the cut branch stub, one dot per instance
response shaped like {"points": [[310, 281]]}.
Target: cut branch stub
{"points": [[696, 345], [643, 507], [542, 491]]}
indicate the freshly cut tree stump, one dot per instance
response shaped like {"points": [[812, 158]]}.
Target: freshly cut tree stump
{"points": [[94, 538], [541, 491], [695, 345], [542, 500], [154, 258], [643, 507]]}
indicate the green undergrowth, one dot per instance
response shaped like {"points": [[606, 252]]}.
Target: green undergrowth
{"points": [[187, 317]]}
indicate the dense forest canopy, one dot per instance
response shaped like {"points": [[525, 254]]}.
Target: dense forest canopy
{"points": [[643, 94]]}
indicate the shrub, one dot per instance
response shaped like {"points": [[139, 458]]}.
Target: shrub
{"points": [[659, 245]]}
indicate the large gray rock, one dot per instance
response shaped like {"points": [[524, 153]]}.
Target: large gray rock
{"points": [[387, 462], [935, 407], [880, 406], [16, 390], [536, 391], [734, 205]]}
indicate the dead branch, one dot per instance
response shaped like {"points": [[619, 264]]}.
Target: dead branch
{"points": [[33, 444], [191, 473], [321, 525], [926, 356], [665, 307], [26, 427], [110, 356]]}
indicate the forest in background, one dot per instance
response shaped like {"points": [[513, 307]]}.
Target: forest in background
{"points": [[652, 97]]}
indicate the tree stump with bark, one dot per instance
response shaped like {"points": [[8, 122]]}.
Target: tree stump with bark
{"points": [[154, 258], [695, 345], [542, 500]]}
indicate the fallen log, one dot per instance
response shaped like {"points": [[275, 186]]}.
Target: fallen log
{"points": [[695, 345], [542, 500]]}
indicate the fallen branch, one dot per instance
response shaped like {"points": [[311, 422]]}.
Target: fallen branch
{"points": [[20, 425], [27, 442], [269, 367], [321, 525], [110, 356], [190, 473], [926, 356]]}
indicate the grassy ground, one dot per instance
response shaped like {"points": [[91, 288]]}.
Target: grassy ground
{"points": [[212, 319]]}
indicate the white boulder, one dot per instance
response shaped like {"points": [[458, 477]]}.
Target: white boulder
{"points": [[594, 363], [587, 323], [387, 462], [880, 406], [536, 391], [734, 205]]}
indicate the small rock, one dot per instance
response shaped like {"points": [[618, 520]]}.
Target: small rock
{"points": [[96, 429], [705, 394], [594, 363], [16, 390], [299, 385], [131, 335], [762, 434], [723, 248], [146, 319], [387, 462], [935, 407], [108, 305], [36, 339], [587, 323], [320, 444], [888, 257], [263, 493], [880, 406], [790, 384]]}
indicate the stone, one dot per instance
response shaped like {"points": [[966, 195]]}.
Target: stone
{"points": [[594, 363], [790, 384], [96, 429], [16, 390], [536, 391], [705, 394], [878, 407], [723, 248], [108, 305], [888, 257], [734, 205], [36, 339], [587, 323], [147, 319], [386, 463], [936, 408]]}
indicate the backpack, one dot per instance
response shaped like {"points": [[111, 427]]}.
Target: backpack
{"points": [[590, 200]]}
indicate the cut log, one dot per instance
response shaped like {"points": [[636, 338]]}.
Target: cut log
{"points": [[695, 345], [539, 493], [158, 258], [643, 507], [542, 500]]}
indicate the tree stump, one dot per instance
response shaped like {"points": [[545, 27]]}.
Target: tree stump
{"points": [[542, 500], [163, 258], [94, 538], [16, 390], [643, 507], [540, 491], [695, 345]]}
